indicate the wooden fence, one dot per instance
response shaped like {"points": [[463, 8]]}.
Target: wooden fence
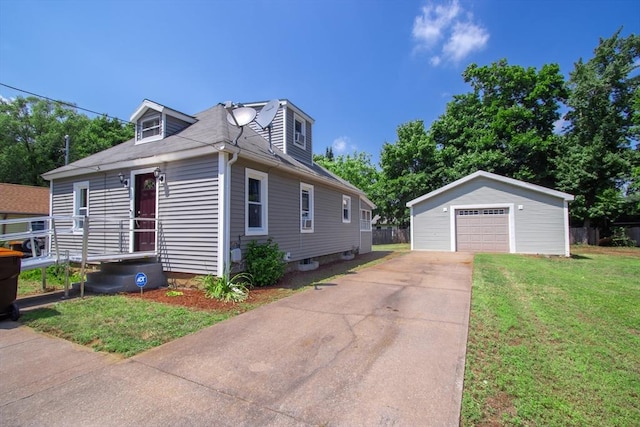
{"points": [[591, 236], [386, 237]]}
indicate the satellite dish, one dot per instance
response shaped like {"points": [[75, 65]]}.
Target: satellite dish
{"points": [[268, 113], [241, 116]]}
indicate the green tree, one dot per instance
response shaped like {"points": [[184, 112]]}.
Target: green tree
{"points": [[505, 125], [32, 137], [410, 167], [356, 168], [597, 156]]}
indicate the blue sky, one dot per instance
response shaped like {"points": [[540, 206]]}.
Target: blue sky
{"points": [[359, 68]]}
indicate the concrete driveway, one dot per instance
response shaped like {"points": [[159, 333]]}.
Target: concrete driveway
{"points": [[383, 346]]}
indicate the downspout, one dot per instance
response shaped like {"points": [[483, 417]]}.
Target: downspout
{"points": [[224, 214]]}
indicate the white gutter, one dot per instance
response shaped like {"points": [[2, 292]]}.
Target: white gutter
{"points": [[132, 164]]}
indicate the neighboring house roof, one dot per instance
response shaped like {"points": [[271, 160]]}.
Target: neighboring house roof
{"points": [[24, 199], [211, 133], [494, 177]]}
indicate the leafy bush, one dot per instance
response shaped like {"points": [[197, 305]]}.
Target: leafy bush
{"points": [[620, 238], [227, 287], [265, 262]]}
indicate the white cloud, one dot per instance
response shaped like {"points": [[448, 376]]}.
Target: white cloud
{"points": [[465, 38], [428, 27], [341, 145], [447, 28]]}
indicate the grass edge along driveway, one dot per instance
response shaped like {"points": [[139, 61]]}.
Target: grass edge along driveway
{"points": [[554, 341], [126, 326]]}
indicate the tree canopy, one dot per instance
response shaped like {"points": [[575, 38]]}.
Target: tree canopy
{"points": [[32, 137], [506, 125], [598, 156], [356, 168]]}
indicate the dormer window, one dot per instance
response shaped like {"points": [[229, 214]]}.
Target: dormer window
{"points": [[150, 127], [299, 132], [155, 122]]}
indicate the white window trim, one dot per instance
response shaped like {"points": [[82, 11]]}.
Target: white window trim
{"points": [[264, 188], [348, 200], [304, 131], [365, 224], [162, 117], [77, 188], [309, 189], [452, 222]]}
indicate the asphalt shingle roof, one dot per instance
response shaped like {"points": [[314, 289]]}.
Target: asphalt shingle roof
{"points": [[24, 199], [211, 129]]}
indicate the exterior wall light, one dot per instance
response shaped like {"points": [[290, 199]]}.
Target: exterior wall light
{"points": [[123, 181], [161, 177]]}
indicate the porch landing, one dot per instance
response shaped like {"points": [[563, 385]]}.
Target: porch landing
{"points": [[116, 277]]}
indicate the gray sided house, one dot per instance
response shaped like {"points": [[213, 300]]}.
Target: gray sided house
{"points": [[485, 212], [192, 189]]}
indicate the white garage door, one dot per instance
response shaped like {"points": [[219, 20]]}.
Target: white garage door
{"points": [[482, 230]]}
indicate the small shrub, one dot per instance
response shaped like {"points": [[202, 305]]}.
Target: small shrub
{"points": [[265, 262], [620, 238], [173, 293], [227, 287]]}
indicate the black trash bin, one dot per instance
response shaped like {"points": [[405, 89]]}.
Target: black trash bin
{"points": [[9, 272]]}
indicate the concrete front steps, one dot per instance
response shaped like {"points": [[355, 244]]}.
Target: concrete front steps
{"points": [[116, 277]]}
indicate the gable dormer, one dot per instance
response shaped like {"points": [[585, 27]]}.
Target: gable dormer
{"points": [[291, 130], [155, 122]]}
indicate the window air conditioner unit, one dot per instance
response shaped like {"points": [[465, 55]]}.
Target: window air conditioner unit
{"points": [[299, 138]]}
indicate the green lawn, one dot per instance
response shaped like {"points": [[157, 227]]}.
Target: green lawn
{"points": [[30, 281], [554, 341], [127, 326], [119, 324]]}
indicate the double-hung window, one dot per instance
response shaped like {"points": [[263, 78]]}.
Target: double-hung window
{"points": [[149, 128], [306, 208], [256, 219], [80, 203], [346, 209]]}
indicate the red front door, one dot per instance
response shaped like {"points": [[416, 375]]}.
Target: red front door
{"points": [[145, 207]]}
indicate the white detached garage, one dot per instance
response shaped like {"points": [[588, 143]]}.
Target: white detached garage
{"points": [[485, 212]]}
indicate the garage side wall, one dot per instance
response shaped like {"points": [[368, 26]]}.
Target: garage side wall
{"points": [[538, 224]]}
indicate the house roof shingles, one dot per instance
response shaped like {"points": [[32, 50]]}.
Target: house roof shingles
{"points": [[24, 199], [211, 130]]}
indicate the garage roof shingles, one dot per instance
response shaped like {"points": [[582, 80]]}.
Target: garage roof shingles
{"points": [[24, 199]]}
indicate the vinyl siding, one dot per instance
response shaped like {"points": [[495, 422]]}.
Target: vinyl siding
{"points": [[107, 199], [538, 227], [277, 129], [330, 234], [188, 214], [187, 211], [303, 155], [174, 125]]}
